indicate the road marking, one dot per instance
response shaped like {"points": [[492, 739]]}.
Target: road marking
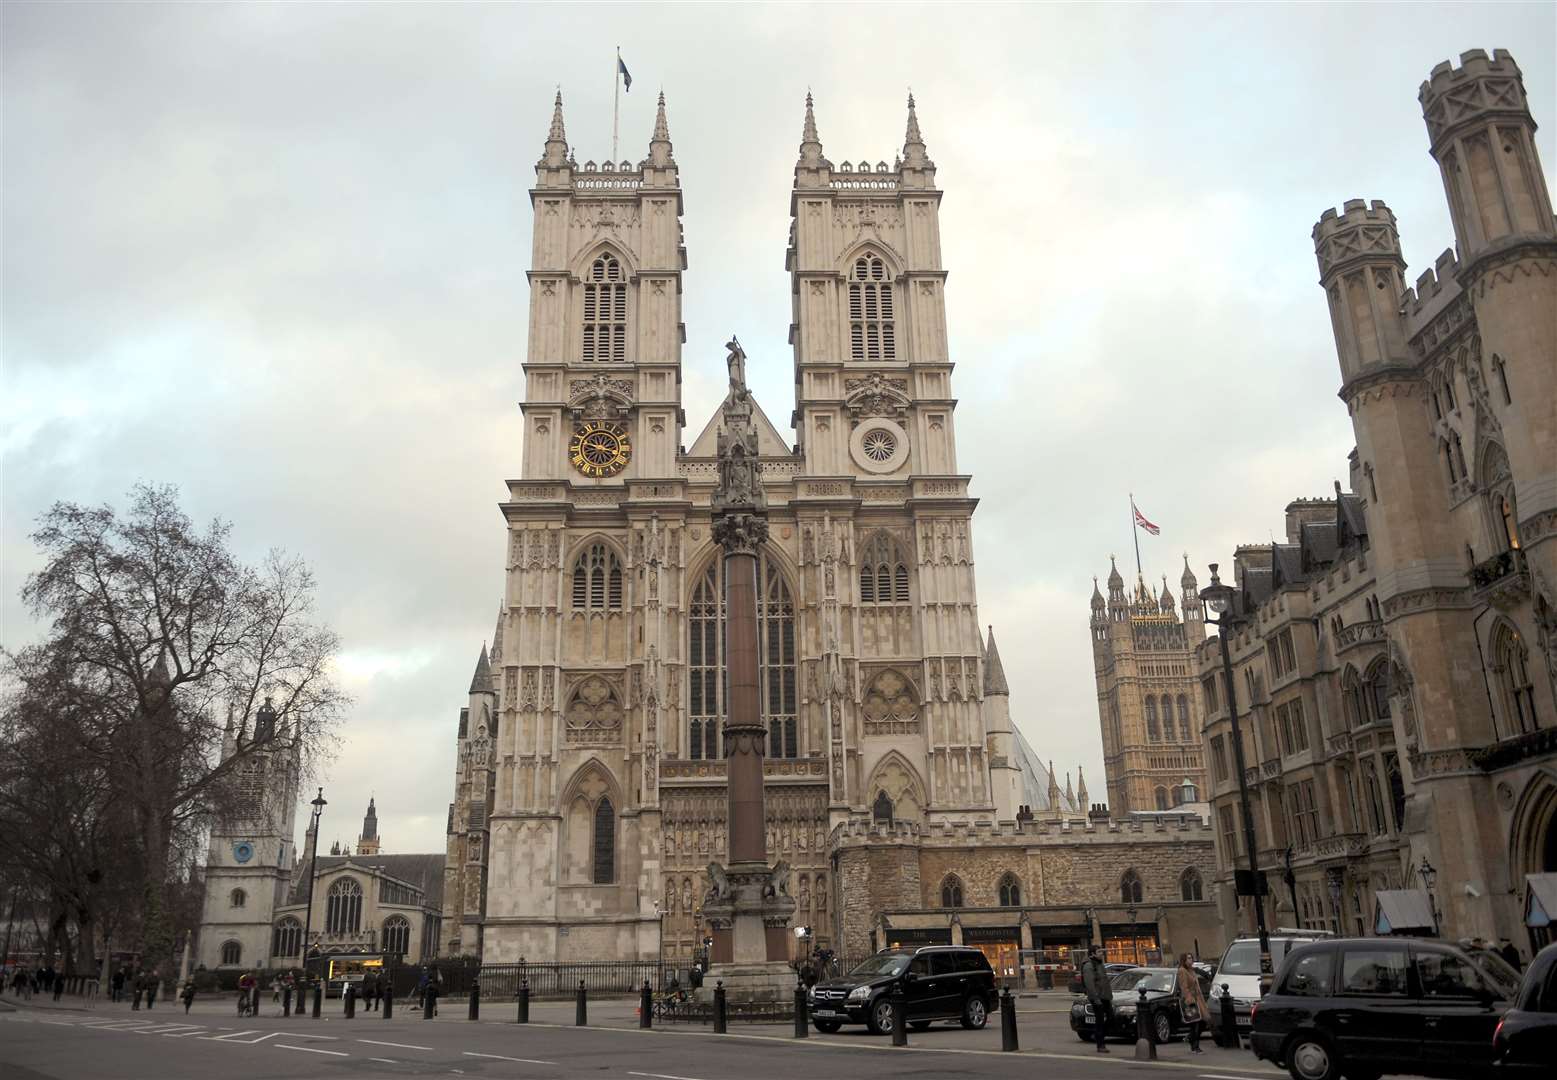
{"points": [[500, 1057], [1220, 1076], [180, 1034], [300, 1035], [402, 1046], [233, 1037], [662, 1076], [311, 1050], [386, 1061]]}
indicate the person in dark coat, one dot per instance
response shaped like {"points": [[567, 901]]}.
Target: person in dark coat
{"points": [[139, 983], [187, 995], [1100, 995], [151, 989], [117, 983]]}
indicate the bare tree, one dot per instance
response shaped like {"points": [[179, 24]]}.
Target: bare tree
{"points": [[163, 642]]}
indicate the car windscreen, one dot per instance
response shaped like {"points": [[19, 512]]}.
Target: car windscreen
{"points": [[1138, 979], [885, 964], [1243, 957]]}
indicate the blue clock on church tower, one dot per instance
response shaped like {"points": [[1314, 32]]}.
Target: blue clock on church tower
{"points": [[243, 851]]}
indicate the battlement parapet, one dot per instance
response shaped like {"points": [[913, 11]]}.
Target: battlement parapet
{"points": [[1359, 231], [1434, 287], [1481, 85]]}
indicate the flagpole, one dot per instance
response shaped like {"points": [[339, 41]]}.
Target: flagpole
{"points": [[616, 99], [1135, 534]]}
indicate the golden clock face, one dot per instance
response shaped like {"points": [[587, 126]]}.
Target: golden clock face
{"points": [[600, 448]]}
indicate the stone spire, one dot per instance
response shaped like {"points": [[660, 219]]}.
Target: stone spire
{"points": [[994, 671], [1097, 595], [659, 144], [914, 156], [1070, 793], [481, 681], [1187, 580], [810, 142], [556, 137], [497, 636], [370, 821], [1165, 602], [1054, 788], [1081, 791], [1114, 580]]}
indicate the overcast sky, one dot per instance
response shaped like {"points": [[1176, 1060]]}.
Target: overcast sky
{"points": [[275, 255]]}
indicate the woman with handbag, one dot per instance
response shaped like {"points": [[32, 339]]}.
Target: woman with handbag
{"points": [[1192, 1001]]}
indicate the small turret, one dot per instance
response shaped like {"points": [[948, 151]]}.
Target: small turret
{"points": [[1070, 794], [496, 657], [1081, 789], [367, 843], [556, 154], [994, 671], [811, 163], [915, 159], [1054, 788], [265, 723], [659, 145], [1165, 601], [1116, 597], [481, 681], [1360, 268]]}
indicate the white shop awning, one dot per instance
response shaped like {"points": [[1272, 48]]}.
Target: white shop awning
{"points": [[1402, 911], [1540, 899]]}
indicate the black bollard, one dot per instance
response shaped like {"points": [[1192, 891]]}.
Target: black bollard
{"points": [[1145, 1036], [899, 1015], [721, 1019], [1007, 1020], [389, 1001], [524, 1001], [350, 996], [318, 999], [286, 1001], [802, 1022], [581, 1013], [645, 1006], [475, 999], [1229, 1035]]}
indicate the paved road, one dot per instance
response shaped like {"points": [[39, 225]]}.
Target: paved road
{"points": [[112, 1043]]}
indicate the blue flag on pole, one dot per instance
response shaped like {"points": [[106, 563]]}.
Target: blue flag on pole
{"points": [[627, 78]]}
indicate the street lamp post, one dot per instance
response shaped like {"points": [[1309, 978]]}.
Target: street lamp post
{"points": [[318, 804], [1219, 598], [1135, 942], [1429, 877], [1291, 879], [1335, 877]]}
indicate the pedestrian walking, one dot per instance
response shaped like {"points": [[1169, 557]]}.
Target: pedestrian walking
{"points": [[139, 985], [370, 992], [434, 987], [275, 991], [1192, 1001], [1100, 995], [151, 988], [116, 985], [421, 989], [187, 995]]}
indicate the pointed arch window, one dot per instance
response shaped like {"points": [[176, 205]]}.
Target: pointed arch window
{"points": [[1378, 690], [872, 333], [1190, 885], [1501, 371], [605, 842], [397, 935], [776, 661], [605, 312], [1351, 699], [881, 809], [286, 938], [1510, 663], [239, 898], [1130, 891], [883, 572], [597, 580], [1010, 891], [1160, 797], [1183, 703], [232, 953], [343, 907], [1152, 733], [951, 891]]}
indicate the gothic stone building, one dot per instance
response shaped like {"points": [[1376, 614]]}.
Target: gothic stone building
{"points": [[1401, 646], [590, 779], [1143, 662]]}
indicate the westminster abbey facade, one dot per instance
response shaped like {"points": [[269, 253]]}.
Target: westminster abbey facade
{"points": [[589, 791]]}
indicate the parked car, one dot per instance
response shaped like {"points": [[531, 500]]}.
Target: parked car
{"points": [[1239, 971], [1525, 1042], [1112, 969], [1163, 1006], [939, 982], [1366, 1006]]}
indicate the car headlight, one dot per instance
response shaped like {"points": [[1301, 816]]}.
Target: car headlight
{"points": [[859, 993]]}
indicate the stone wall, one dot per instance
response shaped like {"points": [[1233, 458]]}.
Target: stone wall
{"points": [[882, 877]]}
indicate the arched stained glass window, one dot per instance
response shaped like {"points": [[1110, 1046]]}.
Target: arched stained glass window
{"points": [[232, 953], [1152, 732], [605, 842], [397, 935], [343, 907], [951, 891], [286, 937], [1190, 885], [1010, 891]]}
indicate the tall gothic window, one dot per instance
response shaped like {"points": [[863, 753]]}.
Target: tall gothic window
{"points": [[1152, 734], [232, 953], [1190, 885], [1160, 797], [1130, 887], [1351, 699], [883, 572], [397, 935], [871, 331], [286, 939], [343, 907], [605, 842], [1183, 718], [1378, 690], [1509, 660], [951, 891], [597, 580], [776, 655], [605, 312], [1010, 891]]}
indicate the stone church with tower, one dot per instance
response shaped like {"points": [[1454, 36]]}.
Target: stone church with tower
{"points": [[590, 776]]}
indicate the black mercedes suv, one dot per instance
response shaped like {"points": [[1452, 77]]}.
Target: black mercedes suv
{"points": [[939, 982]]}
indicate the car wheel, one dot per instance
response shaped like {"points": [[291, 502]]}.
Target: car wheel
{"points": [[879, 1019], [1162, 1027], [975, 1014], [1309, 1057], [827, 1027], [919, 1025]]}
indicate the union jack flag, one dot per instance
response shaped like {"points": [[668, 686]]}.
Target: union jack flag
{"points": [[1142, 523]]}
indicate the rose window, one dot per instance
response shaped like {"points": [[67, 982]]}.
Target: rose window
{"points": [[879, 445]]}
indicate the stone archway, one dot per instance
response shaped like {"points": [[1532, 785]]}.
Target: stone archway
{"points": [[1533, 835]]}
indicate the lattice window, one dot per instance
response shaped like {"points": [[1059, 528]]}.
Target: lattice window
{"points": [[951, 891], [605, 312], [605, 842], [872, 334], [1160, 798], [1183, 703], [1190, 885], [232, 953], [597, 580], [397, 935], [777, 674], [1510, 663], [1010, 891], [1130, 891], [286, 938], [1152, 733], [343, 907]]}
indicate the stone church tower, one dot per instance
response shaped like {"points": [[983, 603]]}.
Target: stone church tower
{"points": [[590, 787], [1147, 694]]}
